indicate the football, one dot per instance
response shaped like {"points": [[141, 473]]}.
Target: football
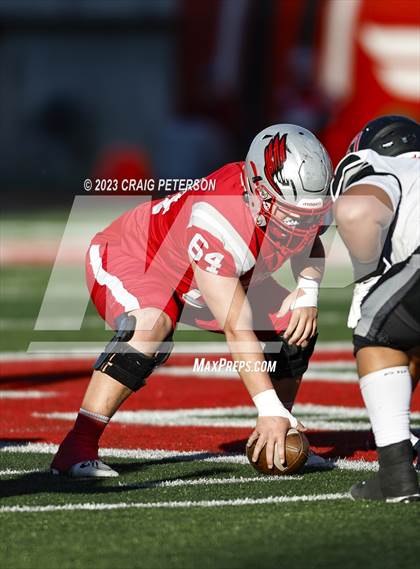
{"points": [[297, 448]]}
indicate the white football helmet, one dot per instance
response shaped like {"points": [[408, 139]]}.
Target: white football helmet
{"points": [[288, 170]]}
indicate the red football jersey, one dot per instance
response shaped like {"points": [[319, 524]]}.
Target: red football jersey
{"points": [[214, 228]]}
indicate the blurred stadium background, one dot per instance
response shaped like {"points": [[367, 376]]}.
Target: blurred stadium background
{"points": [[174, 88]]}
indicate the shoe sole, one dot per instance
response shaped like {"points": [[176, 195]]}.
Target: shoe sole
{"points": [[70, 474], [403, 499], [396, 500]]}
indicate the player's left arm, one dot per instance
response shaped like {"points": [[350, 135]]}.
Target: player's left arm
{"points": [[308, 269], [362, 214]]}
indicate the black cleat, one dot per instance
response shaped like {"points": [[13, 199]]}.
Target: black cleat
{"points": [[396, 480], [367, 490]]}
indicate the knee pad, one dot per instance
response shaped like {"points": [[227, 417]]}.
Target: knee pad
{"points": [[126, 364], [291, 361]]}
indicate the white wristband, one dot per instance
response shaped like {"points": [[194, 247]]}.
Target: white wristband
{"points": [[310, 297], [269, 405]]}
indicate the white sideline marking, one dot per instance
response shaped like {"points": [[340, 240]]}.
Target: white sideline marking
{"points": [[11, 472], [363, 465], [60, 350], [26, 394], [336, 364], [238, 410], [176, 482], [12, 357], [322, 417], [68, 323], [151, 454], [146, 454], [175, 504], [311, 375], [207, 481]]}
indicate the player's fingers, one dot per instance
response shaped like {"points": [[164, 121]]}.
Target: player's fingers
{"points": [[297, 332], [280, 449], [258, 448], [269, 452], [294, 319], [308, 333], [305, 334], [253, 437]]}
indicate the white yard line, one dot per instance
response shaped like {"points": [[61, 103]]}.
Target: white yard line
{"points": [[321, 373], [323, 417], [12, 357], [363, 465], [175, 504], [26, 394], [230, 423], [160, 415], [206, 481], [151, 454], [203, 481], [65, 323], [59, 350], [336, 364], [11, 472]]}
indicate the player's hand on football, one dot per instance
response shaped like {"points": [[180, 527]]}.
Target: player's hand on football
{"points": [[268, 432]]}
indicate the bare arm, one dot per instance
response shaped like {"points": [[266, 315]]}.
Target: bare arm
{"points": [[311, 262], [362, 214], [308, 269], [227, 300]]}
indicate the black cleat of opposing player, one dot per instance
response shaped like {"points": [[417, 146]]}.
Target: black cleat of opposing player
{"points": [[396, 480]]}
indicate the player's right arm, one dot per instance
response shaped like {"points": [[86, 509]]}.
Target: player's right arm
{"points": [[364, 204], [365, 196], [226, 298], [362, 214]]}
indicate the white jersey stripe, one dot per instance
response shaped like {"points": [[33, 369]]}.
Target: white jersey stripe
{"points": [[118, 291], [207, 217]]}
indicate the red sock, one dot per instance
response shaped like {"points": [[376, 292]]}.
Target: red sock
{"points": [[82, 442]]}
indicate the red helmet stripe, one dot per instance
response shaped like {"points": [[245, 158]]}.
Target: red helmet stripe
{"points": [[254, 168], [275, 155]]}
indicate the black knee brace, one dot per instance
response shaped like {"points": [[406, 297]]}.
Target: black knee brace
{"points": [[291, 361], [125, 364]]}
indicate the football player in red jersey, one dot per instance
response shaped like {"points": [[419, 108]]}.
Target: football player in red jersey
{"points": [[207, 257]]}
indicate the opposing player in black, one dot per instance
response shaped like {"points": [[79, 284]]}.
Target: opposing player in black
{"points": [[376, 190]]}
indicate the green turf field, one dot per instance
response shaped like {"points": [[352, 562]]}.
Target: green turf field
{"points": [[320, 534], [22, 290], [186, 511]]}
